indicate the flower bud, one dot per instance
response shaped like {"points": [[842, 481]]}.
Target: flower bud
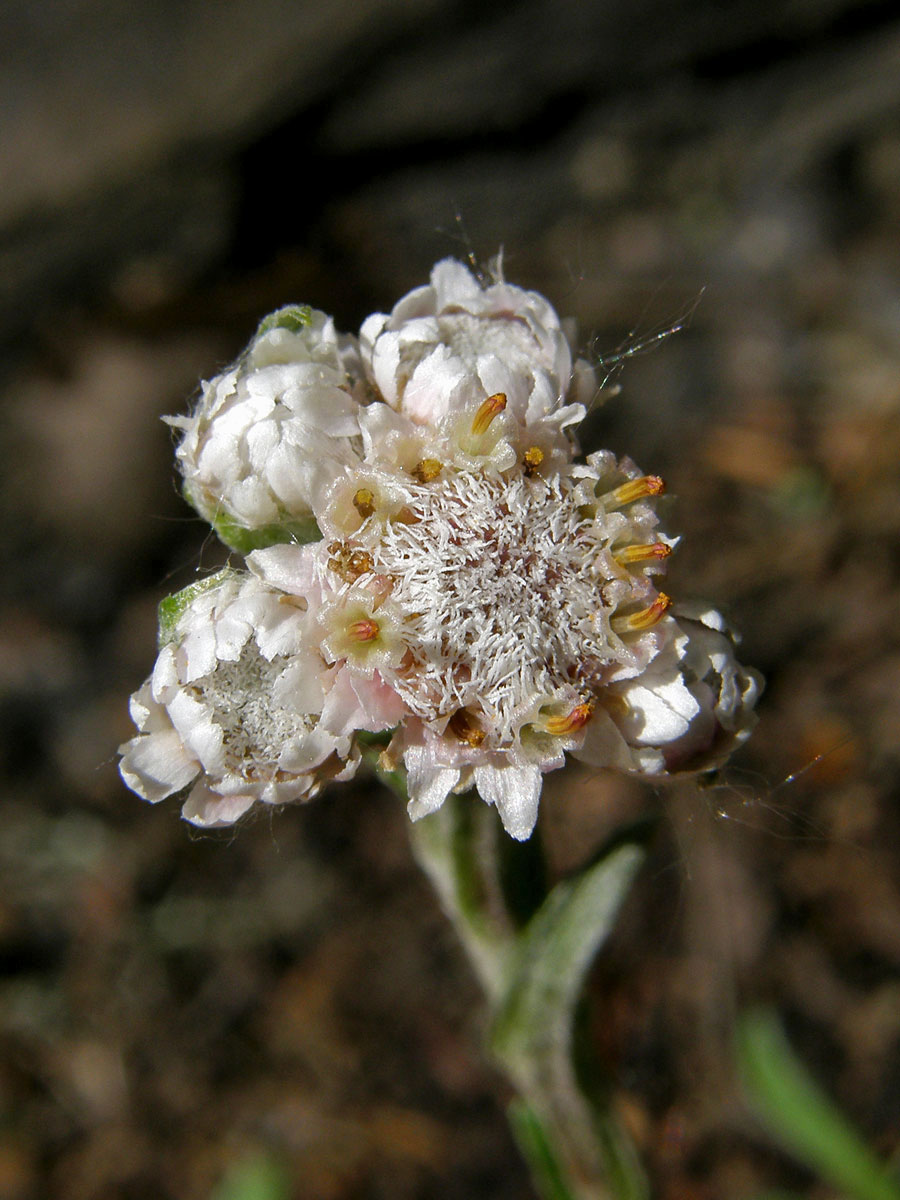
{"points": [[267, 434]]}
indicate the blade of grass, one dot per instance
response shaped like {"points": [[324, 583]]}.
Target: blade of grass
{"points": [[255, 1177], [537, 1150], [801, 1117]]}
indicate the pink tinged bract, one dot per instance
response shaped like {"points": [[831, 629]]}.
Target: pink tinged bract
{"points": [[211, 810]]}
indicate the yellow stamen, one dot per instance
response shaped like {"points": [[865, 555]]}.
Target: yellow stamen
{"points": [[570, 722], [360, 562], [364, 502], [486, 413], [464, 726], [532, 459], [646, 618], [387, 762], [635, 489], [350, 564], [427, 469], [365, 630], [642, 553]]}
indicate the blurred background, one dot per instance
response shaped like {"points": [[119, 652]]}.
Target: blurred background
{"points": [[177, 1009]]}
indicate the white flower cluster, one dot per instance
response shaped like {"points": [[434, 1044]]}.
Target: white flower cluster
{"points": [[429, 560]]}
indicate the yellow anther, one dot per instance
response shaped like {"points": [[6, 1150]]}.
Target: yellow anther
{"points": [[643, 553], [532, 459], [487, 411], [365, 630], [635, 489], [349, 563], [569, 722], [387, 762], [364, 502], [360, 563], [427, 469], [645, 618], [464, 726]]}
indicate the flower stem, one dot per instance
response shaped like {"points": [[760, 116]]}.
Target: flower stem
{"points": [[533, 975]]}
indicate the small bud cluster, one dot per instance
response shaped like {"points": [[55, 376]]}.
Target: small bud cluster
{"points": [[427, 558]]}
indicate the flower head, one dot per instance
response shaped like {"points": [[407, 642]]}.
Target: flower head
{"points": [[233, 705], [477, 589], [456, 339]]}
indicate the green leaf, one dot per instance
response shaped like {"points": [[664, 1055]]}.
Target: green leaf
{"points": [[533, 1030], [801, 1117], [538, 1151], [555, 950], [292, 317], [171, 609], [256, 1177]]}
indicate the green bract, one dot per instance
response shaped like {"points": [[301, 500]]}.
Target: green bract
{"points": [[171, 609], [292, 317], [238, 537]]}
